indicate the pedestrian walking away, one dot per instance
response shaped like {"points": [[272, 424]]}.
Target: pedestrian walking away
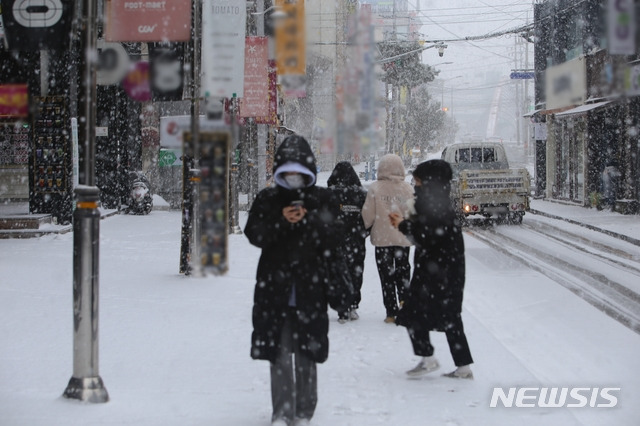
{"points": [[296, 224], [434, 299], [346, 186], [389, 193]]}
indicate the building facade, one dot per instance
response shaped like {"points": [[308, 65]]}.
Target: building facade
{"points": [[587, 96]]}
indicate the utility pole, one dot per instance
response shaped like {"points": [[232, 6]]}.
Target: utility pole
{"points": [[86, 383]]}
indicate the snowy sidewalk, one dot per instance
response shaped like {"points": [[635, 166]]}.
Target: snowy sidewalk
{"points": [[604, 220], [174, 350]]}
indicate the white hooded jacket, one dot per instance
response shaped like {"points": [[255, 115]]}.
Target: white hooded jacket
{"points": [[390, 193]]}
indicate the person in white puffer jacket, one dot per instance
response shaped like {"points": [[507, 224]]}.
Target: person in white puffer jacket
{"points": [[389, 194]]}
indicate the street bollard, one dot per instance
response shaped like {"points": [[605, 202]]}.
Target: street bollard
{"points": [[86, 384]]}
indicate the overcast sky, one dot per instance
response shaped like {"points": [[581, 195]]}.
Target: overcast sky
{"points": [[453, 19]]}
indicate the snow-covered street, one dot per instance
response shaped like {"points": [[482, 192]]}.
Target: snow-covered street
{"points": [[175, 350]]}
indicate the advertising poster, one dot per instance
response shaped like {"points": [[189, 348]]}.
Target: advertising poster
{"points": [[127, 20], [223, 39]]}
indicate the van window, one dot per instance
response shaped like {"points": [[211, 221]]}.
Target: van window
{"points": [[476, 155], [488, 155], [463, 156]]}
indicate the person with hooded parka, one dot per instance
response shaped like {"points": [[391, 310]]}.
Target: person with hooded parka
{"points": [[296, 224], [390, 193], [434, 299], [346, 185]]}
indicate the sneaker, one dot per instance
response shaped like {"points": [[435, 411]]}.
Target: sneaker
{"points": [[463, 372], [279, 422], [390, 320], [300, 421], [426, 365], [353, 315], [342, 320]]}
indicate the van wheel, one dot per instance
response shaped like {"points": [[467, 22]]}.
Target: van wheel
{"points": [[515, 218]]}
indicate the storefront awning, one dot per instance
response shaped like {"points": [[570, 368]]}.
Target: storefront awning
{"points": [[582, 108], [532, 113]]}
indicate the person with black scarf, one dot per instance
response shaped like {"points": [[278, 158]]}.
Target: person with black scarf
{"points": [[297, 226], [346, 186], [434, 302]]}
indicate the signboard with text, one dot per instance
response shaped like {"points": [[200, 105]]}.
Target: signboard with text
{"points": [[139, 20], [223, 39]]}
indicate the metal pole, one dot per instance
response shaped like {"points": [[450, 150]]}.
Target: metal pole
{"points": [[196, 265], [235, 216], [86, 384], [262, 128]]}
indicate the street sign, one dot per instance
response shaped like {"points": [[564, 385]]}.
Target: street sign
{"points": [[167, 158], [522, 75]]}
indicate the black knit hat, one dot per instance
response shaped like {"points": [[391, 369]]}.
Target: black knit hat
{"points": [[433, 170]]}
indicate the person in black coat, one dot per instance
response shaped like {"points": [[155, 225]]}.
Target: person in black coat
{"points": [[296, 224], [437, 285], [346, 186]]}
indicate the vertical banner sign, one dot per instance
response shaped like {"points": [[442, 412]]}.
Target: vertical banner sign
{"points": [[128, 20], [37, 24], [166, 71], [291, 48], [272, 113], [255, 102], [214, 196], [223, 38], [621, 27]]}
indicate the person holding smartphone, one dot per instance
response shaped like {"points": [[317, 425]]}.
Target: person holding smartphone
{"points": [[297, 225]]}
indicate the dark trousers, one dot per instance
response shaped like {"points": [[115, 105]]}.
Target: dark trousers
{"points": [[294, 389], [355, 254], [456, 338], [394, 271]]}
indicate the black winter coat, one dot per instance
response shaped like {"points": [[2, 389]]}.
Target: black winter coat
{"points": [[435, 294], [292, 255], [346, 186]]}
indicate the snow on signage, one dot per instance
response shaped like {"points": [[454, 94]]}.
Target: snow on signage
{"points": [[223, 34], [128, 20], [255, 102], [14, 100]]}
